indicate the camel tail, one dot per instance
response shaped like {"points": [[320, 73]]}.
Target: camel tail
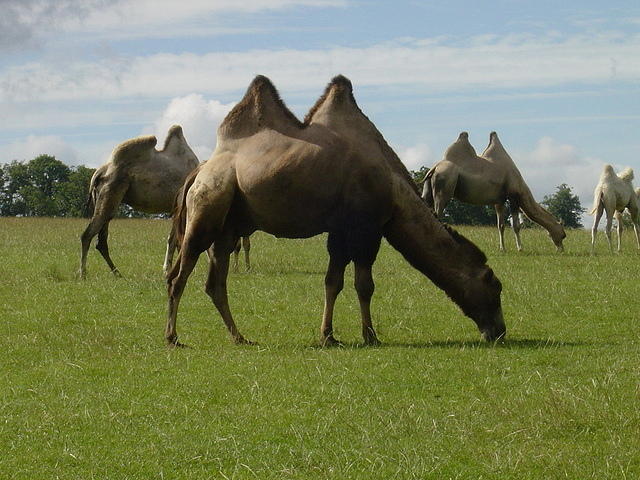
{"points": [[179, 212], [427, 191], [92, 196], [597, 198]]}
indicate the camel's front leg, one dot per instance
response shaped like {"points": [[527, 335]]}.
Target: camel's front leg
{"points": [[216, 286], [246, 246], [365, 288], [515, 223], [500, 219]]}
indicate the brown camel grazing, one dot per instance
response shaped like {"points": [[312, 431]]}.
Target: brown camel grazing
{"points": [[140, 176], [489, 179], [333, 173], [612, 195]]}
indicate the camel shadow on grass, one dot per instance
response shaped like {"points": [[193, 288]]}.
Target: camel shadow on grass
{"points": [[516, 343]]}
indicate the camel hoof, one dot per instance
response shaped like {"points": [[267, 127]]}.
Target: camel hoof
{"points": [[330, 341], [176, 344], [372, 342], [240, 340], [116, 273]]}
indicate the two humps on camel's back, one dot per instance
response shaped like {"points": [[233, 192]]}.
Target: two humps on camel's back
{"points": [[334, 173], [488, 179]]}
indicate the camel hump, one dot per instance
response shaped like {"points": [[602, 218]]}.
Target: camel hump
{"points": [[627, 174], [340, 81], [175, 141], [338, 91], [460, 149], [130, 150], [260, 107]]}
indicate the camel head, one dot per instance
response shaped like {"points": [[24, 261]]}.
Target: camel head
{"points": [[488, 317], [557, 234]]}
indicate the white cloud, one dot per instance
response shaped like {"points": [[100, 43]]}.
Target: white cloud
{"points": [[26, 22], [416, 156], [199, 119], [33, 145], [481, 62], [552, 163]]}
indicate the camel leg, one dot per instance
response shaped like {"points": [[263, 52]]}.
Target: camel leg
{"points": [[333, 284], [236, 254], [172, 244], [108, 200], [365, 288], [175, 287], [635, 218], [364, 246], [515, 223], [103, 247], [620, 228], [608, 230], [95, 226], [246, 245], [594, 229], [216, 286], [500, 214]]}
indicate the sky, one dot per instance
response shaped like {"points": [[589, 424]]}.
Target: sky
{"points": [[558, 81]]}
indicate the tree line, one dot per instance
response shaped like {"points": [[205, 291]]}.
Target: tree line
{"points": [[46, 187]]}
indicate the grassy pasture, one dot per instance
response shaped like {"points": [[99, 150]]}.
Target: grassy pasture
{"points": [[89, 390]]}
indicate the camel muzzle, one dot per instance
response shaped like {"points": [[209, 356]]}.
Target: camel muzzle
{"points": [[494, 330]]}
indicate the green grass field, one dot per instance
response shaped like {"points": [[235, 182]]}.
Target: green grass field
{"points": [[89, 389]]}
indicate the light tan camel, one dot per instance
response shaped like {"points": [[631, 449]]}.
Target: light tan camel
{"points": [[612, 195], [333, 173], [489, 179], [142, 177]]}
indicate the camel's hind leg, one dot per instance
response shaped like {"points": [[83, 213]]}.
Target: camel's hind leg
{"points": [[594, 229], [216, 286], [177, 280], [103, 247], [619, 228], [333, 284], [95, 226], [172, 245], [108, 200]]}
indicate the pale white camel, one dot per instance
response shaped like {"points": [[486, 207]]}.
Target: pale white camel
{"points": [[613, 194], [142, 177], [489, 179]]}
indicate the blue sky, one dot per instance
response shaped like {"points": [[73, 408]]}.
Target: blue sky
{"points": [[558, 81]]}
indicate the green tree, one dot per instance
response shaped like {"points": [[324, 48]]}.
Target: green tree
{"points": [[15, 177], [72, 195], [565, 206]]}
